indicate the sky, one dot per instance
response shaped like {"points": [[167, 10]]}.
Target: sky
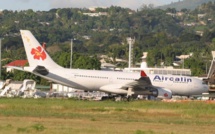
{"points": [[46, 5]]}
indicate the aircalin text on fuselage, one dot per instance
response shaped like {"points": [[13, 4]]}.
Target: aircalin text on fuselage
{"points": [[176, 79]]}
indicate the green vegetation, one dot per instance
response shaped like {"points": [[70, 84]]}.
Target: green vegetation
{"points": [[185, 4], [34, 128], [74, 116], [163, 33]]}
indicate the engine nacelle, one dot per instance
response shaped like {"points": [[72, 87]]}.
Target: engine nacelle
{"points": [[164, 93]]}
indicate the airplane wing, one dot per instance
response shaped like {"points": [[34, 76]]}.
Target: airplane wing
{"points": [[39, 69], [17, 68], [141, 86]]}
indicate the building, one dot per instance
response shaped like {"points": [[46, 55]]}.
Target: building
{"points": [[163, 70], [96, 14]]}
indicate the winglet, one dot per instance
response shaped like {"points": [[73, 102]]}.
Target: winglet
{"points": [[143, 74]]}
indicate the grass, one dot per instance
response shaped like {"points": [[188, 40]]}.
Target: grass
{"points": [[50, 116]]}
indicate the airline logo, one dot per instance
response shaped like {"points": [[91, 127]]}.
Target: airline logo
{"points": [[38, 53], [177, 79]]}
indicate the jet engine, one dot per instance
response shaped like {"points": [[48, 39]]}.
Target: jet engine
{"points": [[164, 93], [161, 93]]}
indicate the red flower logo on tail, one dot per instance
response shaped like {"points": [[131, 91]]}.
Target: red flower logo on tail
{"points": [[38, 53]]}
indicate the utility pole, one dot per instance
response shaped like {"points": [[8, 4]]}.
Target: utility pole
{"points": [[130, 42], [71, 53], [0, 57], [183, 62], [161, 60]]}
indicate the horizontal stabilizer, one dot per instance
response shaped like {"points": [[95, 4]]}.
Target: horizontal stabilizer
{"points": [[41, 70], [15, 67]]}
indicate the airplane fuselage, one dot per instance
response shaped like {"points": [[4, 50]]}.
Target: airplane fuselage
{"points": [[92, 80], [126, 83]]}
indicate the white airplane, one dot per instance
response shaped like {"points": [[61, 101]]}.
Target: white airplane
{"points": [[123, 83]]}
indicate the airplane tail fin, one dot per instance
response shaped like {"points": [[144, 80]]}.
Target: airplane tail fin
{"points": [[36, 54]]}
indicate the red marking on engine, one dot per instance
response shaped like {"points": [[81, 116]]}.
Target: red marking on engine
{"points": [[165, 95]]}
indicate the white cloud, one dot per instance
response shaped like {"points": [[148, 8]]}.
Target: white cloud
{"points": [[134, 4], [48, 4], [71, 3], [25, 1]]}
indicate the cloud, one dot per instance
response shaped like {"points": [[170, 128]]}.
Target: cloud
{"points": [[133, 4], [45, 5], [25, 1], [129, 3], [71, 3]]}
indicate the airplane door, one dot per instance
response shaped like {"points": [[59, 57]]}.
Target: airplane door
{"points": [[110, 80]]}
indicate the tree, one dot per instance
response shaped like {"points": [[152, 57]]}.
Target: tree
{"points": [[84, 62], [64, 59]]}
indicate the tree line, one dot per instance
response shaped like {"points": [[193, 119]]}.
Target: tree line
{"points": [[162, 35]]}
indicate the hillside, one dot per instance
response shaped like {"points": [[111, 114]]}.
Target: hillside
{"points": [[165, 34], [189, 4]]}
